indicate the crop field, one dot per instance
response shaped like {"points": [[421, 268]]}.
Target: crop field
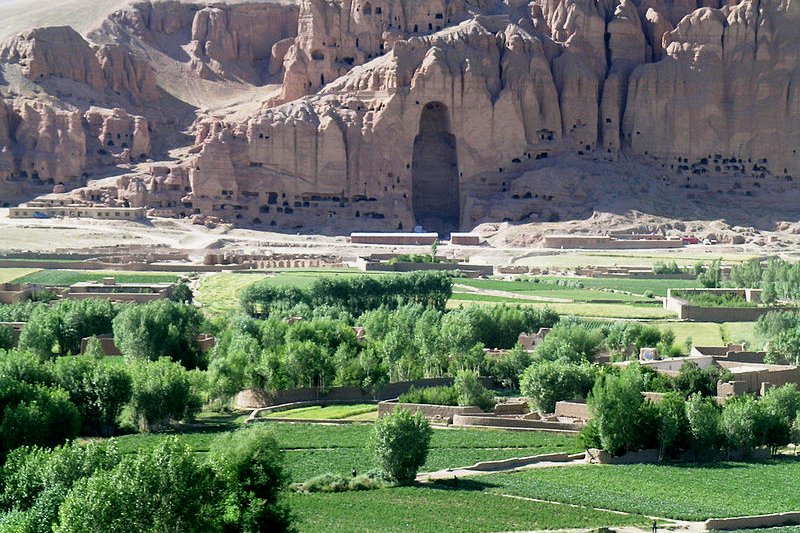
{"points": [[329, 412], [688, 492], [219, 293], [68, 277], [585, 310], [550, 290], [13, 274], [439, 509], [314, 449]]}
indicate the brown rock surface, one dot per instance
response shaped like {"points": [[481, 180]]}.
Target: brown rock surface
{"points": [[354, 114]]}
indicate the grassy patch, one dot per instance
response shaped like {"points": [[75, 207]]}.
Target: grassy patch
{"points": [[588, 310], [219, 293], [701, 333], [68, 277], [551, 290], [314, 449], [12, 274], [636, 286], [434, 509], [328, 412], [690, 492]]}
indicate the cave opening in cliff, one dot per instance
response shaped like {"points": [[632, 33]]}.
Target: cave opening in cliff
{"points": [[434, 171]]}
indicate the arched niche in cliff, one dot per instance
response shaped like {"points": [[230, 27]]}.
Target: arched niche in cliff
{"points": [[435, 194]]}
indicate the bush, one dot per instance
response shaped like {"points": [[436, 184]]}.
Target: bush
{"points": [[249, 464], [430, 395], [339, 483], [551, 381], [34, 415], [470, 391], [399, 443]]}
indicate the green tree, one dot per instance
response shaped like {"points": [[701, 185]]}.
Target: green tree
{"points": [[7, 340], [58, 330], [162, 393], [182, 293], [470, 391], [249, 463], [740, 423], [34, 415], [703, 416], [673, 427], [711, 278], [399, 442], [36, 480], [615, 402], [548, 382], [160, 329], [160, 490]]}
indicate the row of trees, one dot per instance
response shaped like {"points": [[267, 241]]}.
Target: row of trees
{"points": [[354, 295], [778, 279], [410, 342], [81, 488], [150, 331], [623, 420], [46, 403]]}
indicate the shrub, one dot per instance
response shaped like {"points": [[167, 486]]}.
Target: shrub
{"points": [[471, 392], [249, 464], [548, 382], [399, 443], [6, 337], [430, 395]]}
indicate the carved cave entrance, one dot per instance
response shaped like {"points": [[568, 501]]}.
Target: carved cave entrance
{"points": [[434, 169]]}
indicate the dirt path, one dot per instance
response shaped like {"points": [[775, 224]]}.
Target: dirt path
{"points": [[515, 295]]}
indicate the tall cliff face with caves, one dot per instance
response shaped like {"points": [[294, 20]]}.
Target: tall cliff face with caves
{"points": [[385, 114]]}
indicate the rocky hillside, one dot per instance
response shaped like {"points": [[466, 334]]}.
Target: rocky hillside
{"points": [[337, 115]]}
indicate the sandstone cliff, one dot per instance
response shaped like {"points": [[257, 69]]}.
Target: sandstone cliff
{"points": [[355, 114]]}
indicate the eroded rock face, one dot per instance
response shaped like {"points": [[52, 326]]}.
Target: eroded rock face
{"points": [[58, 51], [387, 107]]}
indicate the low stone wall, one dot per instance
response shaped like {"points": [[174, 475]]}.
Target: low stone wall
{"points": [[432, 412], [488, 420], [573, 410], [394, 238], [517, 462], [512, 408], [600, 457], [408, 266], [752, 522]]}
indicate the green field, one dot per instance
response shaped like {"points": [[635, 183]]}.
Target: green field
{"points": [[68, 277], [588, 310], [687, 492], [437, 509], [329, 412], [635, 286], [549, 290], [314, 449], [13, 274], [219, 293]]}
